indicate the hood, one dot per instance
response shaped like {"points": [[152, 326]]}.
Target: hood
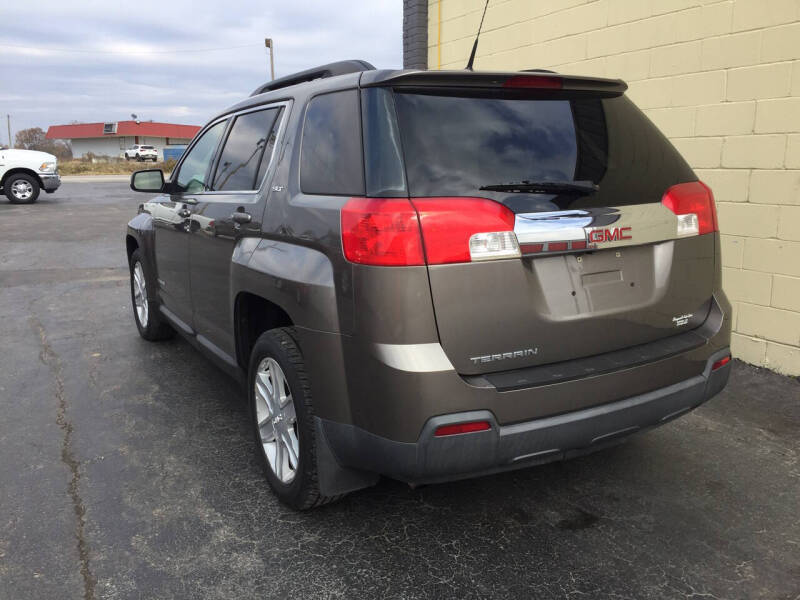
{"points": [[28, 155]]}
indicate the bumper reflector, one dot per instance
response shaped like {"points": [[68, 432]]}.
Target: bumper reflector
{"points": [[721, 363], [457, 428]]}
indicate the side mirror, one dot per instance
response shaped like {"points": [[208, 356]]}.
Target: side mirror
{"points": [[149, 180]]}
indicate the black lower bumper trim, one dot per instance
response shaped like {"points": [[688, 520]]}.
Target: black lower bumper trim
{"points": [[503, 447]]}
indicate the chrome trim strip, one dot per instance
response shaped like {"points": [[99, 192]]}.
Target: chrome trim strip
{"points": [[552, 226], [414, 358], [599, 228], [284, 116]]}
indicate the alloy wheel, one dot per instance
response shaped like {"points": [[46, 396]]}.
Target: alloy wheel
{"points": [[140, 295], [277, 420], [22, 190]]}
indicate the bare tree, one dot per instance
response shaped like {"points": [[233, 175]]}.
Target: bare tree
{"points": [[34, 138]]}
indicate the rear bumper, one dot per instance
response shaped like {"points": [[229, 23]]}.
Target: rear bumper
{"points": [[504, 447]]}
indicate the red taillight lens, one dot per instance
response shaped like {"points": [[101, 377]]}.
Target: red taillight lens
{"points": [[381, 231], [448, 225], [457, 428], [534, 81], [390, 231], [721, 363], [694, 204]]}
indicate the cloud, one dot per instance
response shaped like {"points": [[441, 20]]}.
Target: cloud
{"points": [[84, 61]]}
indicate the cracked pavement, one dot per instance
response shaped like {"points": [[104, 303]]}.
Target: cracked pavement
{"points": [[127, 470]]}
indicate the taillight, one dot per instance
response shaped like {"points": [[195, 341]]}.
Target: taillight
{"points": [[466, 229], [457, 428], [386, 231], [693, 203], [381, 231]]}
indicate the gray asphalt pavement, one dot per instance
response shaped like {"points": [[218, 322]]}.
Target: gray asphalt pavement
{"points": [[127, 471]]}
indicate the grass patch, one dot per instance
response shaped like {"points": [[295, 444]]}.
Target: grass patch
{"points": [[111, 167]]}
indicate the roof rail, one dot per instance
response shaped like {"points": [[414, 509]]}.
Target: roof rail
{"points": [[330, 70]]}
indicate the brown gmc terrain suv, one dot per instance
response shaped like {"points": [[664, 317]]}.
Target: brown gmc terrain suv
{"points": [[436, 275]]}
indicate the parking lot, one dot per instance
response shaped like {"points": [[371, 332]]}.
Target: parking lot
{"points": [[127, 470]]}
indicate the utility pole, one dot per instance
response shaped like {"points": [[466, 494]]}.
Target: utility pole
{"points": [[8, 122], [268, 43]]}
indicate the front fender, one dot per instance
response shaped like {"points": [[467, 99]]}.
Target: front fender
{"points": [[141, 229]]}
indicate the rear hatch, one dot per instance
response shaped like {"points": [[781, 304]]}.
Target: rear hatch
{"points": [[557, 221]]}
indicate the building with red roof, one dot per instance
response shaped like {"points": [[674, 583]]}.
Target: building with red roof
{"points": [[112, 138]]}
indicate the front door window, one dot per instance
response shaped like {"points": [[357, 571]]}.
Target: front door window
{"points": [[193, 174]]}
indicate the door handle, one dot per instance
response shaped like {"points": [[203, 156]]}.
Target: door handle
{"points": [[241, 217], [184, 213]]}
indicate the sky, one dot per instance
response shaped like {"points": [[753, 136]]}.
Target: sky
{"points": [[72, 60]]}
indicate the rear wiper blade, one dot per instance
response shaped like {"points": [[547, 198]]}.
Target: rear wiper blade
{"points": [[578, 188]]}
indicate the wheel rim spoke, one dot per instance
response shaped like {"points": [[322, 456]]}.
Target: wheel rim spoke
{"points": [[291, 445], [264, 388], [269, 382], [280, 393], [279, 460], [289, 413]]}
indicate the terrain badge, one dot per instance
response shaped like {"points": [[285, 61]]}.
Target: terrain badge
{"points": [[504, 356]]}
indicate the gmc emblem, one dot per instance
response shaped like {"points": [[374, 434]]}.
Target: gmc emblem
{"points": [[596, 236]]}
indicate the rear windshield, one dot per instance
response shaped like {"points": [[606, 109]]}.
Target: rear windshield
{"points": [[454, 145], [146, 147]]}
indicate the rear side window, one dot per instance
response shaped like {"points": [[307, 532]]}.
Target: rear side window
{"points": [[383, 156], [330, 155], [454, 145], [249, 138]]}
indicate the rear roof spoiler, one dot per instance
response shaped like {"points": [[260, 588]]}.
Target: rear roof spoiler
{"points": [[330, 70], [534, 79]]}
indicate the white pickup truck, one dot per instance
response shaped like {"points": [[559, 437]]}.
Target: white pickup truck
{"points": [[23, 173]]}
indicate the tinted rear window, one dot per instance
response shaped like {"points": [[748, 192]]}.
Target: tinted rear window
{"points": [[330, 156], [453, 145]]}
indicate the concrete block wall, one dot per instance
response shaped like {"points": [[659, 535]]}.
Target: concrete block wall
{"points": [[721, 78]]}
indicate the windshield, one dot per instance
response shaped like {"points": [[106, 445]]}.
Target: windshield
{"points": [[462, 145]]}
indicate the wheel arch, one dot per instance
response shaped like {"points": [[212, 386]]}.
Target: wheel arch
{"points": [[26, 171], [139, 235], [131, 245], [253, 315]]}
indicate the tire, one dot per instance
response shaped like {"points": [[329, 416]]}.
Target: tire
{"points": [[21, 188], [300, 489], [150, 322]]}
